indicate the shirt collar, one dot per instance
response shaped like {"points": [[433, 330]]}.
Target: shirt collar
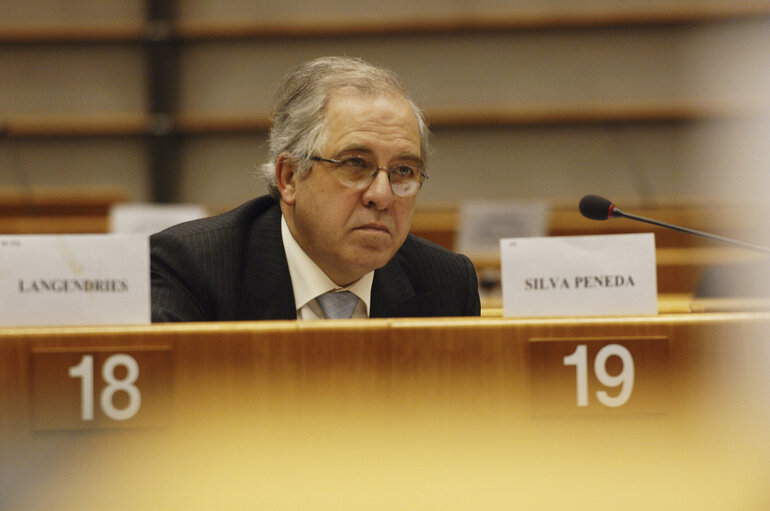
{"points": [[309, 281]]}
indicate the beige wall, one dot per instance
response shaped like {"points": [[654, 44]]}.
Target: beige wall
{"points": [[640, 64]]}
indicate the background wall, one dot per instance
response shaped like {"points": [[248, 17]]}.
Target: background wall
{"points": [[534, 99]]}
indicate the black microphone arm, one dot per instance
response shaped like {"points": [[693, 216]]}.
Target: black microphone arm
{"points": [[599, 208]]}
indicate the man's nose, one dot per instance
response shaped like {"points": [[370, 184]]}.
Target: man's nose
{"points": [[379, 193]]}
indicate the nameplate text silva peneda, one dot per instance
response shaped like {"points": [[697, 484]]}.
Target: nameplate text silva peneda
{"points": [[611, 274]]}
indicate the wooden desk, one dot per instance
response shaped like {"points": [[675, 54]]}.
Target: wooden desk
{"points": [[57, 211], [679, 270], [682, 259], [455, 414], [440, 222], [492, 307]]}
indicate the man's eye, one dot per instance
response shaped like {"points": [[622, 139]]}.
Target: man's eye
{"points": [[404, 171], [354, 163]]}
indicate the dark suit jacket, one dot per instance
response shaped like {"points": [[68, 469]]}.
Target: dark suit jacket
{"points": [[233, 267]]}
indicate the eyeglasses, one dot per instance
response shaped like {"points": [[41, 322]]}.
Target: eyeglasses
{"points": [[359, 172]]}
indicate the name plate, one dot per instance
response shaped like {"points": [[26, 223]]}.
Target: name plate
{"points": [[483, 223], [74, 280], [599, 376], [100, 387], [579, 275]]}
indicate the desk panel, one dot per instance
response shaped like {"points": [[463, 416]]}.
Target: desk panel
{"points": [[395, 414]]}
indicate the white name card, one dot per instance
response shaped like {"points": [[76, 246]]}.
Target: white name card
{"points": [[579, 275], [74, 279]]}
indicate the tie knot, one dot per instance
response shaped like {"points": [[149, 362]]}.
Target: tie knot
{"points": [[337, 305]]}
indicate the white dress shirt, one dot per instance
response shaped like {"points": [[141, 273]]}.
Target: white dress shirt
{"points": [[309, 281]]}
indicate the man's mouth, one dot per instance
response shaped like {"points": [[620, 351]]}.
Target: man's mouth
{"points": [[374, 226]]}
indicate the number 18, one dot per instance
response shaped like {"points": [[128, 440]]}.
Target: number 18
{"points": [[85, 371]]}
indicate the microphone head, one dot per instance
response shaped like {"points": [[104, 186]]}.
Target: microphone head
{"points": [[595, 207]]}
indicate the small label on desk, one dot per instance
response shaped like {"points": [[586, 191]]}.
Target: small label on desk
{"points": [[100, 387], [579, 275], [74, 280], [596, 376]]}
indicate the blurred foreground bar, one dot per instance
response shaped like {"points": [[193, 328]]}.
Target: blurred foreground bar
{"points": [[380, 414]]}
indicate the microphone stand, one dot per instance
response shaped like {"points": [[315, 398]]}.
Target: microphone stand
{"points": [[617, 212]]}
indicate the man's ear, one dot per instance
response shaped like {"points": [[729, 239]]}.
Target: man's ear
{"points": [[286, 178]]}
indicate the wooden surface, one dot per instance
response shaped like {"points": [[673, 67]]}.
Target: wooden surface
{"points": [[679, 269], [668, 303], [439, 223], [681, 259], [524, 114], [298, 25], [383, 414], [55, 211]]}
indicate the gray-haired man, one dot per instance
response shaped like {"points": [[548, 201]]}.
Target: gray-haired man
{"points": [[347, 157]]}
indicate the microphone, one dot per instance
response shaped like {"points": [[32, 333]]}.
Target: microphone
{"points": [[599, 208]]}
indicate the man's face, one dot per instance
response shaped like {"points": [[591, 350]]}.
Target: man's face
{"points": [[349, 232]]}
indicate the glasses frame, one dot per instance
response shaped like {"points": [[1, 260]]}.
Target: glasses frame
{"points": [[337, 163]]}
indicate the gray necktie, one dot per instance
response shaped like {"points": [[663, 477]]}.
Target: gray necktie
{"points": [[339, 305]]}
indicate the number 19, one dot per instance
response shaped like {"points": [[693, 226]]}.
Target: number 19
{"points": [[624, 380]]}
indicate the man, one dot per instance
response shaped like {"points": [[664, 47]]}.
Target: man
{"points": [[347, 154]]}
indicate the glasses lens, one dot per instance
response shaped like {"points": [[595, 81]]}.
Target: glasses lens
{"points": [[356, 171], [359, 171], [405, 179], [406, 189]]}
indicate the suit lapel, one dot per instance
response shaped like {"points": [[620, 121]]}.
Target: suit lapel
{"points": [[394, 295], [265, 291]]}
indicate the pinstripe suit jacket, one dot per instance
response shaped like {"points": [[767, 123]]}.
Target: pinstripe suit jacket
{"points": [[232, 267]]}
